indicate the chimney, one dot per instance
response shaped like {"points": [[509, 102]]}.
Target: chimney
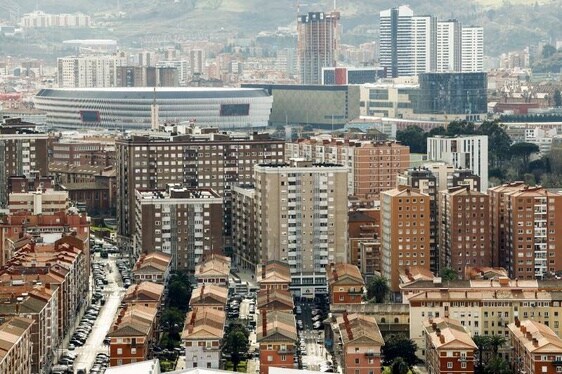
{"points": [[433, 325], [263, 271], [535, 342], [442, 339], [523, 329], [529, 336], [264, 323], [517, 322]]}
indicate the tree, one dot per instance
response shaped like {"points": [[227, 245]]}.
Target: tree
{"points": [[496, 341], [437, 131], [172, 320], [399, 346], [483, 344], [461, 128], [399, 366], [179, 291], [498, 141], [448, 274], [497, 365], [548, 51], [236, 344], [414, 137], [378, 288], [557, 98], [523, 151]]}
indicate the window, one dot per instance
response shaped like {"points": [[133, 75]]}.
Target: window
{"points": [[208, 365], [449, 365], [283, 357], [357, 361], [133, 351], [119, 351], [269, 358]]}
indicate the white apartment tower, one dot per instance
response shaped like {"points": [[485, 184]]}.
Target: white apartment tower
{"points": [[463, 152], [301, 219], [449, 46], [89, 71], [472, 49], [396, 41]]}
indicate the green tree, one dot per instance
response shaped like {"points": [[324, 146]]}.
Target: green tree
{"points": [[523, 151], [378, 288], [399, 346], [179, 291], [236, 344], [399, 366], [496, 341], [498, 141], [548, 51], [414, 137], [483, 344], [172, 320], [461, 128], [497, 365], [448, 274], [557, 98]]}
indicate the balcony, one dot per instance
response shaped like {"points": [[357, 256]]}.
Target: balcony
{"points": [[370, 354], [557, 362], [286, 351]]}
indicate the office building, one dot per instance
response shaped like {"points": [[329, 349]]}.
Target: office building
{"points": [[464, 238], [372, 166], [318, 38], [301, 210], [448, 347], [405, 232], [345, 75], [472, 49], [536, 348], [185, 223], [199, 158], [88, 71], [389, 98], [463, 152], [523, 221]]}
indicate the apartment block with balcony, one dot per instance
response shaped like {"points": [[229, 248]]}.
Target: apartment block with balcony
{"points": [[301, 210], [363, 231], [448, 347], [245, 255], [277, 338], [202, 337], [405, 232], [464, 238], [15, 346], [185, 223], [345, 284], [536, 348], [361, 343]]}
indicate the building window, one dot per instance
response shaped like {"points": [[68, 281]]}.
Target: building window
{"points": [[449, 365], [119, 351], [269, 358], [283, 357], [133, 351]]}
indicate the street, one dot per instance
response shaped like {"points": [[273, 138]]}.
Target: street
{"points": [[113, 292]]}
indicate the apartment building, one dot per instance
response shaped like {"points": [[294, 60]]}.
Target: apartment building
{"points": [[463, 152], [536, 348], [15, 342], [210, 295], [244, 251], [372, 166], [361, 340], [202, 337], [275, 299], [405, 232], [448, 346], [301, 211], [275, 275], [131, 335], [345, 284], [153, 267], [464, 238], [88, 71], [523, 227], [199, 158], [39, 304], [363, 232], [185, 223], [214, 269], [23, 151], [40, 201], [277, 338], [82, 152]]}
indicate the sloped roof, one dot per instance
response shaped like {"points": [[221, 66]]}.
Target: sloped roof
{"points": [[206, 293], [536, 337], [268, 297], [274, 272], [11, 331], [215, 266], [279, 326], [204, 323], [354, 327], [135, 320], [151, 262], [144, 291], [344, 274], [448, 333]]}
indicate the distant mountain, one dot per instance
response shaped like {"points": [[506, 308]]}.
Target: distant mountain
{"points": [[508, 25]]}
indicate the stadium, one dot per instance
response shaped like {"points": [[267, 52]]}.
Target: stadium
{"points": [[130, 108]]}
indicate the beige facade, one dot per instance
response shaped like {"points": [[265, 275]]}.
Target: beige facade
{"points": [[405, 232], [373, 166], [15, 346], [301, 211], [243, 228], [46, 201]]}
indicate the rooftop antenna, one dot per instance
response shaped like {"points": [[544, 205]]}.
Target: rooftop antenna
{"points": [[154, 113]]}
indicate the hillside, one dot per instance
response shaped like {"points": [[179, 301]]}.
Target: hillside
{"points": [[509, 24]]}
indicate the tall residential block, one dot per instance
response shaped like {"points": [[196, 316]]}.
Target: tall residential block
{"points": [[463, 152], [185, 223], [405, 230], [245, 255], [196, 158], [464, 238], [449, 46], [373, 166], [524, 229], [472, 49], [88, 71], [301, 218], [317, 44]]}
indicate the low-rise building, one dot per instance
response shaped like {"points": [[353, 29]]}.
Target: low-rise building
{"points": [[202, 337], [15, 346], [153, 267], [448, 347], [132, 333], [272, 299], [345, 284], [209, 296], [274, 275], [277, 338], [215, 269], [392, 319], [148, 294], [536, 348], [360, 352]]}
